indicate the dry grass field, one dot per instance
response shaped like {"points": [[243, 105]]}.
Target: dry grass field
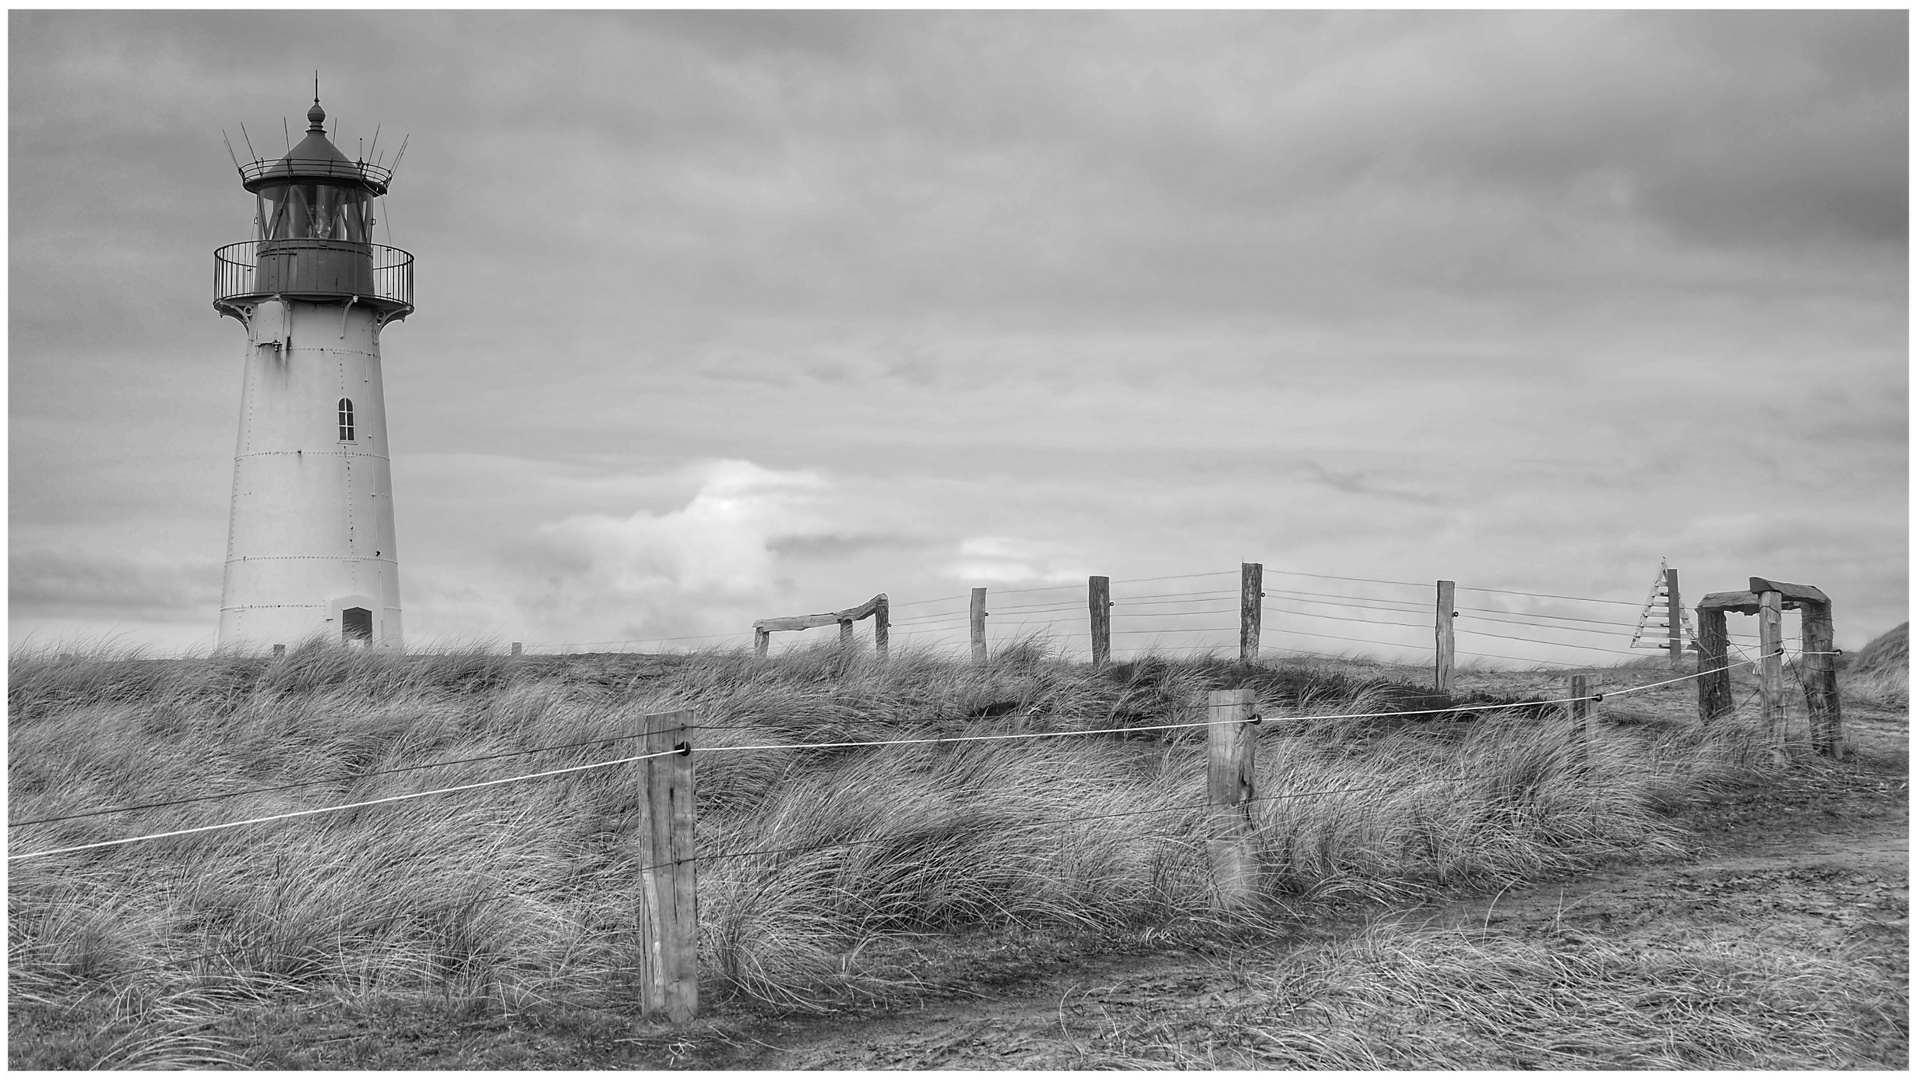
{"points": [[1038, 902]]}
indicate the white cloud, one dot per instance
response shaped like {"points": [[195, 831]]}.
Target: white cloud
{"points": [[1010, 560], [700, 565]]}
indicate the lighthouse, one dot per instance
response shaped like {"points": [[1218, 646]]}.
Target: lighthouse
{"points": [[311, 549]]}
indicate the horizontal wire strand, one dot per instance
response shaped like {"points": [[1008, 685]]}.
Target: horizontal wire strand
{"points": [[334, 809], [1551, 596], [315, 783]]}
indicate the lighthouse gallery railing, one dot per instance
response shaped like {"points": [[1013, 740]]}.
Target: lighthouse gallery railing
{"points": [[236, 273]]}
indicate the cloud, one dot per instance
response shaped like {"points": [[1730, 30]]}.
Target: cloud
{"points": [[710, 565], [840, 546], [1012, 560], [1127, 292], [61, 584]]}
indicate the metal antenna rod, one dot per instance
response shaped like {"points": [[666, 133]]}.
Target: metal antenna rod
{"points": [[401, 154], [249, 143], [230, 153], [288, 133], [375, 148]]}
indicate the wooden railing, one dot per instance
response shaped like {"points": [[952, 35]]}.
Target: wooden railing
{"points": [[878, 608]]}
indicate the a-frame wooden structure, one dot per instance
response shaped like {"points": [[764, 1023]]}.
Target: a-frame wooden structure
{"points": [[1768, 600]]}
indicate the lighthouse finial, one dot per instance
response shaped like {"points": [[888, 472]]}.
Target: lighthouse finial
{"points": [[316, 116]]}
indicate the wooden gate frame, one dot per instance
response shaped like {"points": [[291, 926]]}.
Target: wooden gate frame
{"points": [[879, 608], [1768, 599]]}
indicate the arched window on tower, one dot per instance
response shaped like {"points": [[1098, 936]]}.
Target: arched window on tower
{"points": [[345, 419]]}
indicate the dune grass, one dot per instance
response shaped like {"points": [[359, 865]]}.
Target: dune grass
{"points": [[1399, 997], [824, 873]]}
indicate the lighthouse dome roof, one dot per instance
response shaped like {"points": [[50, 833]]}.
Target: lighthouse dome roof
{"points": [[316, 158]]}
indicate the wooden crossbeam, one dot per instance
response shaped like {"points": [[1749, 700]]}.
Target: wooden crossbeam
{"points": [[830, 618]]}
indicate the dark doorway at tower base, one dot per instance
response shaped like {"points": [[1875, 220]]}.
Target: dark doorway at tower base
{"points": [[356, 626]]}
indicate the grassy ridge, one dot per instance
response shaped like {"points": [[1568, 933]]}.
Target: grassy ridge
{"points": [[517, 898]]}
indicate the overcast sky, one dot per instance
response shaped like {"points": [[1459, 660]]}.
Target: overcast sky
{"points": [[724, 316]]}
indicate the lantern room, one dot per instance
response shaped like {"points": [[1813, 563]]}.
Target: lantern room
{"points": [[314, 217], [315, 192]]}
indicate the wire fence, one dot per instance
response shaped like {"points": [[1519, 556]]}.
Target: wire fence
{"points": [[350, 926], [1148, 616], [1302, 614], [1015, 736]]}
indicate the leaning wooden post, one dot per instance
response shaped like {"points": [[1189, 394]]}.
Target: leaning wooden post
{"points": [[1100, 601], [1447, 643], [845, 634], [1231, 780], [669, 897], [517, 648], [1820, 680], [978, 626], [1674, 615], [1770, 669], [761, 638], [1251, 609], [1713, 664], [882, 624]]}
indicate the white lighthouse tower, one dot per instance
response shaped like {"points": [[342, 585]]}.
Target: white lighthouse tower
{"points": [[311, 549]]}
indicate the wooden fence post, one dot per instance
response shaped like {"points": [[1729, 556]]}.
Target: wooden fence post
{"points": [[1583, 723], [1251, 610], [1674, 615], [517, 648], [1231, 781], [978, 626], [1447, 643], [279, 650], [1100, 600], [668, 884], [760, 639], [882, 625], [1820, 680], [1713, 664], [1770, 669]]}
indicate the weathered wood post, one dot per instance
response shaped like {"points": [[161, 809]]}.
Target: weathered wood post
{"points": [[1100, 600], [278, 651], [1231, 780], [761, 637], [1713, 664], [1674, 615], [1583, 723], [1820, 680], [978, 626], [1770, 669], [517, 648], [882, 624], [845, 635], [668, 883], [1251, 609], [1447, 642]]}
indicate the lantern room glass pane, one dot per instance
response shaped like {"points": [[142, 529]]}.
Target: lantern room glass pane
{"points": [[313, 211]]}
